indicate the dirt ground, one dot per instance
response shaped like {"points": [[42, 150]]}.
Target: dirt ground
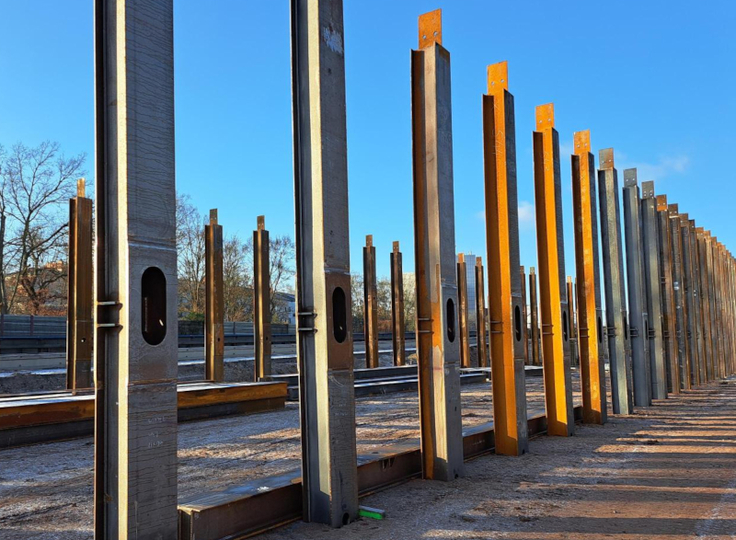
{"points": [[665, 472]]}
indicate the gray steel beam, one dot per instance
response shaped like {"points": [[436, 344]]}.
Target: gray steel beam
{"points": [[135, 279], [536, 351], [653, 290], [324, 317], [613, 273], [462, 296], [681, 300], [370, 304], [438, 345], [524, 312], [480, 314], [398, 326], [214, 314], [638, 317], [669, 310], [706, 302], [262, 301], [691, 299]]}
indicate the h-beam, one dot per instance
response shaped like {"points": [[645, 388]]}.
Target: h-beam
{"points": [[398, 326], [438, 345], [504, 289], [370, 304], [669, 310], [681, 297], [262, 301], [214, 314], [323, 310]]}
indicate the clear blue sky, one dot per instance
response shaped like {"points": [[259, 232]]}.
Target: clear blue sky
{"points": [[655, 80]]}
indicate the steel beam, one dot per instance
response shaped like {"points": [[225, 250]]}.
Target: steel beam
{"points": [[669, 310], [556, 325], [480, 314], [323, 310], [524, 325], [681, 298], [462, 296], [80, 327], [262, 301], [536, 353], [590, 323], [135, 345], [638, 317], [613, 272], [398, 326], [572, 317], [697, 298], [706, 302], [438, 345], [214, 314], [370, 304], [715, 310], [691, 298], [504, 289], [653, 290]]}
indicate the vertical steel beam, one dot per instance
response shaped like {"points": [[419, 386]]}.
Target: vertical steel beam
{"points": [[697, 302], [370, 304], [653, 290], [524, 322], [572, 317], [262, 301], [536, 353], [480, 313], [556, 328], [214, 314], [135, 345], [706, 302], [80, 327], [438, 346], [504, 290], [691, 300], [462, 296], [669, 310], [681, 299], [613, 272], [638, 317], [324, 317], [398, 326], [716, 309], [590, 324]]}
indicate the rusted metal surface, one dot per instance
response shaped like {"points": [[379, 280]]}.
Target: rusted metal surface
{"points": [[214, 314], [438, 343], [323, 303], [698, 303], [462, 297], [480, 314], [398, 325], [524, 321], [80, 327], [534, 319], [691, 295], [681, 300], [556, 327], [613, 272], [370, 304], [590, 326], [262, 301], [706, 303], [504, 289], [669, 310]]}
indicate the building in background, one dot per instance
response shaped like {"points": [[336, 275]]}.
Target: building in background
{"points": [[470, 276]]}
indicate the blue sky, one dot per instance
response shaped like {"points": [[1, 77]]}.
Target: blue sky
{"points": [[653, 79]]}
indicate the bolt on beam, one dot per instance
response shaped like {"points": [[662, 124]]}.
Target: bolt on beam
{"points": [[653, 291], [556, 329], [438, 351], [536, 353], [504, 289], [638, 317], [462, 296], [370, 304], [323, 310], [480, 314], [80, 326], [613, 272], [681, 298], [669, 310], [590, 323], [214, 314], [135, 345], [398, 326], [262, 301]]}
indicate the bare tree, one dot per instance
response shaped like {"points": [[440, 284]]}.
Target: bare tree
{"points": [[410, 301], [190, 256], [36, 185], [358, 303], [237, 279], [281, 256]]}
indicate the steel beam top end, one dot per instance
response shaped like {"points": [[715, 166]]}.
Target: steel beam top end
{"points": [[80, 188], [545, 117], [368, 240], [647, 190], [629, 177], [684, 219], [430, 29], [213, 216], [396, 246], [661, 202], [581, 142], [674, 210], [605, 159], [498, 78], [461, 257], [261, 223], [532, 271], [478, 261]]}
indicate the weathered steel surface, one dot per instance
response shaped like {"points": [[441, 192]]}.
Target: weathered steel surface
{"points": [[370, 304], [462, 296], [681, 300], [214, 314], [653, 289], [80, 327], [669, 310], [590, 325], [572, 317], [398, 326], [135, 279], [691, 296], [534, 319], [504, 289], [698, 303], [638, 317], [706, 303], [556, 324], [480, 314], [324, 317], [438, 351], [262, 301], [613, 272], [524, 325]]}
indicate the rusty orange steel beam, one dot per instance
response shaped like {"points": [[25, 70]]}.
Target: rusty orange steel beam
{"points": [[552, 289], [214, 302], [504, 289], [590, 325]]}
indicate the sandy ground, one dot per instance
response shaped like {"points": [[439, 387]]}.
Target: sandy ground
{"points": [[665, 472]]}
